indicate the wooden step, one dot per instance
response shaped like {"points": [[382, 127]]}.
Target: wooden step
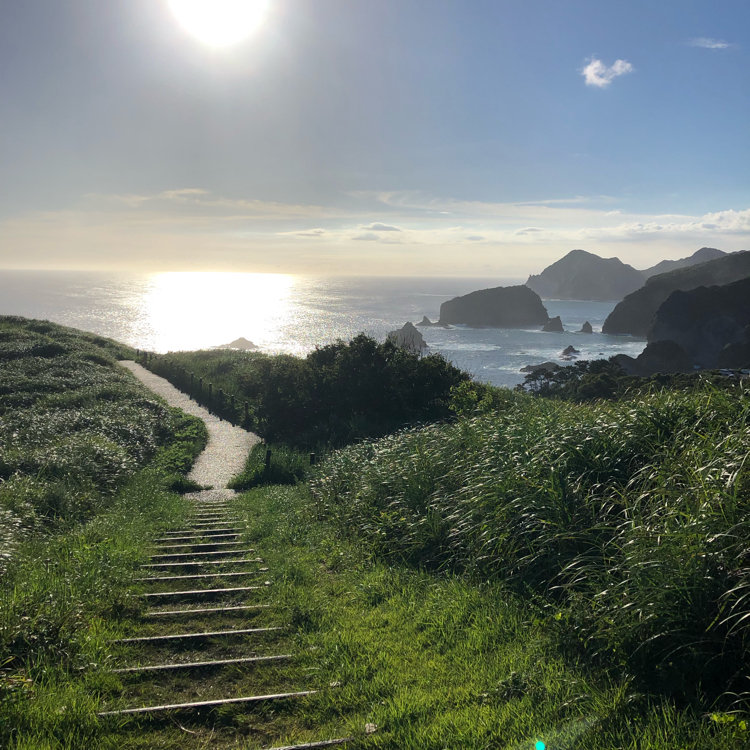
{"points": [[208, 634], [201, 592], [194, 536], [197, 545], [207, 704], [204, 562], [230, 530], [203, 610], [313, 745], [172, 555], [198, 664], [219, 574]]}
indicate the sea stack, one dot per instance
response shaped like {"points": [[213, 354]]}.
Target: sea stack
{"points": [[553, 325], [409, 338], [499, 307]]}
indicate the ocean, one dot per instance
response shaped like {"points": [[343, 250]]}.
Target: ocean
{"points": [[293, 314]]}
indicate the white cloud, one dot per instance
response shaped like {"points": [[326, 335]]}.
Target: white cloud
{"points": [[377, 227], [708, 43], [157, 232], [600, 75]]}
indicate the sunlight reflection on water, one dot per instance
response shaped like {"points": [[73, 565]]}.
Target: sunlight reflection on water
{"points": [[192, 310]]}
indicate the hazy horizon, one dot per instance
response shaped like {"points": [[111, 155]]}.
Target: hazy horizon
{"points": [[345, 137]]}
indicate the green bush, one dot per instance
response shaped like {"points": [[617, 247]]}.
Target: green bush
{"points": [[336, 395]]}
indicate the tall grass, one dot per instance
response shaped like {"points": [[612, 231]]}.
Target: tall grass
{"points": [[629, 518], [73, 428]]}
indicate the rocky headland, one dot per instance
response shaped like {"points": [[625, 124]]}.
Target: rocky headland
{"points": [[707, 327], [635, 314], [585, 276]]}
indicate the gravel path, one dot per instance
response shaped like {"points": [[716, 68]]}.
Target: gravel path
{"points": [[228, 446]]}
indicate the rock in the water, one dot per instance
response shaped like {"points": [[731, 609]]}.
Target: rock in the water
{"points": [[583, 275], [543, 367], [240, 343], [570, 351], [427, 323], [409, 338], [553, 325], [586, 328], [705, 320], [635, 314], [500, 307]]}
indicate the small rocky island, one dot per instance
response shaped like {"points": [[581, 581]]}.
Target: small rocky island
{"points": [[499, 307], [409, 338], [241, 343]]}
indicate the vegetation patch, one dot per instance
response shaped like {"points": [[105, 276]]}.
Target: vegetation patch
{"points": [[628, 518], [336, 395], [86, 455]]}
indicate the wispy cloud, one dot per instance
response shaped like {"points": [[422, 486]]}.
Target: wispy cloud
{"points": [[317, 232], [597, 74], [706, 42]]}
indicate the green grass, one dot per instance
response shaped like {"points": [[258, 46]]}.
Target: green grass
{"points": [[86, 457], [433, 661], [287, 466], [628, 519]]}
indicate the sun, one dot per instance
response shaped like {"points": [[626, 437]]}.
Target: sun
{"points": [[219, 23]]}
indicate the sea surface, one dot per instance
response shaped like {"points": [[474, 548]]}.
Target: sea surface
{"points": [[294, 314]]}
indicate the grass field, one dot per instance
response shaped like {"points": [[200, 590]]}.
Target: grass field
{"points": [[528, 571], [86, 459]]}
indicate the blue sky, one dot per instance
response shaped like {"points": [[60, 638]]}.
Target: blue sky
{"points": [[373, 136]]}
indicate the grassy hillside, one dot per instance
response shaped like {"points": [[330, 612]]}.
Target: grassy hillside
{"points": [[86, 458], [629, 519]]}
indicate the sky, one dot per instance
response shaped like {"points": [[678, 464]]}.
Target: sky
{"points": [[385, 137]]}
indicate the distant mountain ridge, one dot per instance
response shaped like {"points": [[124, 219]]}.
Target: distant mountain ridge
{"points": [[699, 256], [586, 276]]}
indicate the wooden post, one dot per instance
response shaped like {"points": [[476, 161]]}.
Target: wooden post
{"points": [[247, 413], [312, 459], [268, 458]]}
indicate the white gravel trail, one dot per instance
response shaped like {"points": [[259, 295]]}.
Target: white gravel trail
{"points": [[228, 446]]}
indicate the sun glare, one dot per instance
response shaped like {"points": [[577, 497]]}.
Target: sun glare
{"points": [[219, 23], [194, 310]]}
